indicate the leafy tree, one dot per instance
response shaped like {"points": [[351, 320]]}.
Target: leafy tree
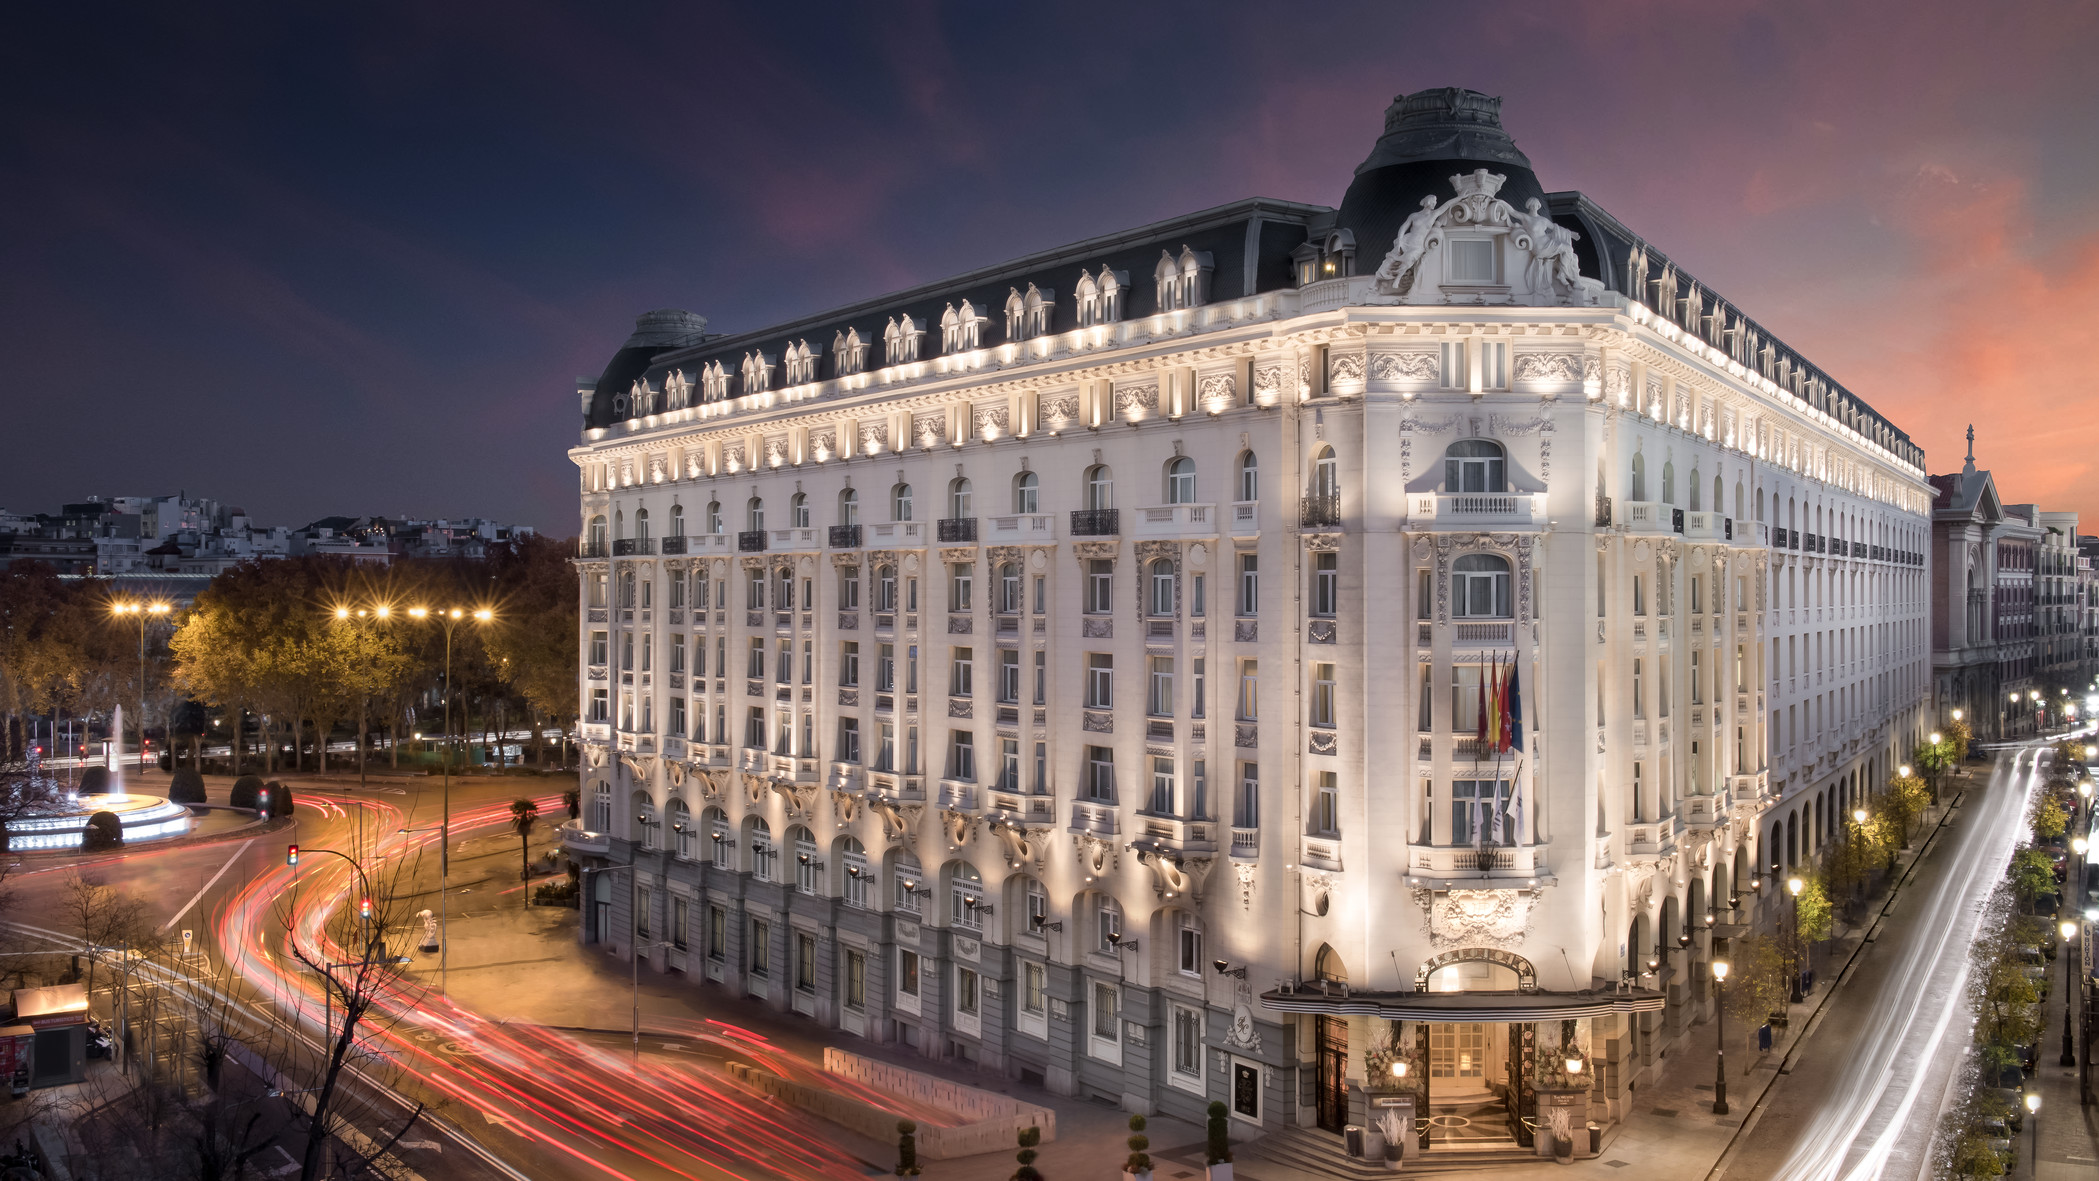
{"points": [[1757, 985], [2049, 821], [2032, 875], [1029, 1138], [533, 643], [1814, 910], [1903, 803], [1958, 735], [1140, 1161]]}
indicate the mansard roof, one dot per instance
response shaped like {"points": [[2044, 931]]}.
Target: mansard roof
{"points": [[1433, 141]]}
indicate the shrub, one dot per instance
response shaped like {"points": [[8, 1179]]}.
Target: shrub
{"points": [[906, 1148], [280, 799], [94, 781], [1219, 1135], [1140, 1161], [245, 792], [187, 787], [104, 831], [561, 893], [1029, 1138]]}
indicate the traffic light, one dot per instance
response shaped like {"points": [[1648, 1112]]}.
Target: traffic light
{"points": [[291, 855], [364, 910], [262, 802]]}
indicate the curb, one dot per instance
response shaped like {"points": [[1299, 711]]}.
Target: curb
{"points": [[1807, 1029]]}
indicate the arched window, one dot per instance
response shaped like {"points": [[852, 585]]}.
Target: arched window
{"points": [[644, 820], [958, 497], [677, 521], [808, 867], [1249, 477], [714, 516], [1009, 589], [1025, 498], [1327, 966], [849, 508], [1738, 500], [1474, 465], [1480, 587], [754, 515], [909, 883], [1107, 924], [641, 528], [967, 905], [1162, 587], [1719, 505], [853, 872], [597, 534], [714, 829], [798, 511], [619, 525], [764, 856], [1180, 481], [900, 503], [1639, 476], [681, 828], [1326, 474], [1100, 487], [1695, 507], [1668, 481]]}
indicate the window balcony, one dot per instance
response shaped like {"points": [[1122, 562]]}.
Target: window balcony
{"points": [[1097, 818], [1646, 516], [955, 529], [1096, 522], [1170, 521], [1467, 867], [1246, 516], [845, 537], [1320, 512], [674, 545], [1175, 834], [958, 796], [1246, 843], [1484, 631], [1024, 527], [751, 541], [577, 839], [627, 547], [900, 533], [590, 549], [1475, 510], [787, 539], [1709, 527], [902, 789]]}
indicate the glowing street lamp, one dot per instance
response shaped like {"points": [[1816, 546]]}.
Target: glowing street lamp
{"points": [[1794, 885], [1720, 1045], [142, 612]]}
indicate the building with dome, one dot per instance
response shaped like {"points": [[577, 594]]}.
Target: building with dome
{"points": [[1230, 657]]}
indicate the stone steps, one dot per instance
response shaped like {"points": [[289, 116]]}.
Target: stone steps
{"points": [[1320, 1154]]}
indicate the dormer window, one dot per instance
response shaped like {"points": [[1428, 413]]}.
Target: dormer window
{"points": [[1182, 282], [851, 352], [1028, 316], [1100, 297], [757, 372], [800, 361], [900, 340], [677, 390], [961, 329], [1472, 261], [1331, 257], [714, 381], [1474, 465]]}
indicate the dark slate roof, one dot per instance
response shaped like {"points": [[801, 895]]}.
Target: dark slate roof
{"points": [[1249, 244], [1430, 136]]}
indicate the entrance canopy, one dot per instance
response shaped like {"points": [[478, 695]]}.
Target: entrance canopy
{"points": [[1464, 1006]]}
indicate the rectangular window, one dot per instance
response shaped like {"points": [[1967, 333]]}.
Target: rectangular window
{"points": [[761, 948], [885, 669], [1326, 584], [1198, 594], [1009, 764], [961, 680], [1162, 801], [754, 728], [1159, 698], [680, 920], [754, 591], [1475, 807], [1453, 368], [855, 980], [600, 705], [1187, 1041], [1009, 677], [965, 992], [1326, 805], [598, 647], [907, 972], [849, 588], [962, 756], [1100, 586], [783, 664], [1249, 584], [754, 668], [1100, 774], [1041, 676], [849, 664], [849, 740], [1041, 784], [1041, 594], [1034, 988], [1249, 690], [677, 715], [1189, 945], [677, 654], [885, 748], [1246, 810], [1322, 706], [1424, 594], [808, 662], [717, 933], [804, 962], [644, 902], [1424, 710], [1107, 1008], [961, 583], [1100, 680], [1494, 365], [1196, 693]]}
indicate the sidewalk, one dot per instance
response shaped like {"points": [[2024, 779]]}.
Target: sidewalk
{"points": [[2068, 1133]]}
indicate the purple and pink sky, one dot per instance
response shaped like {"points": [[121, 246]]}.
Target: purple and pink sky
{"points": [[350, 262]]}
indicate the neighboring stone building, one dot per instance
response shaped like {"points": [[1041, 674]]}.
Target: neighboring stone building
{"points": [[1079, 667]]}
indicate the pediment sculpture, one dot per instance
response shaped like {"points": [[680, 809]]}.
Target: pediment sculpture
{"points": [[1528, 258]]}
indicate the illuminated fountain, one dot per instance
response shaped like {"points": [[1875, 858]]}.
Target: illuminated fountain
{"points": [[139, 818]]}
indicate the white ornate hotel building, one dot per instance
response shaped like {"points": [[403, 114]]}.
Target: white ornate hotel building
{"points": [[1071, 667]]}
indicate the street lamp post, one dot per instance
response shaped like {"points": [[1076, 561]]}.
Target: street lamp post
{"points": [[142, 611], [633, 920], [2033, 1125], [450, 619], [444, 919], [2068, 931], [1720, 1042], [1794, 885]]}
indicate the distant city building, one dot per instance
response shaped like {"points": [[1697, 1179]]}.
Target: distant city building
{"points": [[193, 537], [1181, 665]]}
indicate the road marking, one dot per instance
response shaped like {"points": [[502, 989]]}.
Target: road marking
{"points": [[289, 1166], [421, 1145], [208, 885]]}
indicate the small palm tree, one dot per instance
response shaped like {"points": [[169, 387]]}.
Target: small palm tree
{"points": [[524, 817]]}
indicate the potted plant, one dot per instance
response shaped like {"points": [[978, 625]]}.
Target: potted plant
{"points": [[906, 1149], [1139, 1166], [1217, 1150], [1395, 1132]]}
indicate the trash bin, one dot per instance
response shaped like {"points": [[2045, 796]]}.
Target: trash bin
{"points": [[1763, 1037], [1595, 1139], [1353, 1135]]}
